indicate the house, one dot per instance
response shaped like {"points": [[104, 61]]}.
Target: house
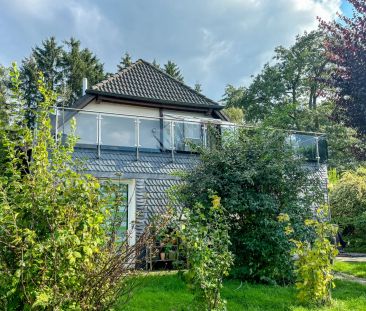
{"points": [[135, 128]]}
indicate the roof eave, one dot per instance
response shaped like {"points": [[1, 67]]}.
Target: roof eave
{"points": [[156, 101]]}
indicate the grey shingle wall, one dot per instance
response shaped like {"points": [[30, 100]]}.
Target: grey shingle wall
{"points": [[154, 174]]}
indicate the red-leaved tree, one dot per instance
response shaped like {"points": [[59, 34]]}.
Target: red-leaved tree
{"points": [[346, 49]]}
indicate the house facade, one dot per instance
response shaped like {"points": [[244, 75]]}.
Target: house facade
{"points": [[137, 128]]}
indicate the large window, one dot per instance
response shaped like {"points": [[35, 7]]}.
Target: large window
{"points": [[118, 207]]}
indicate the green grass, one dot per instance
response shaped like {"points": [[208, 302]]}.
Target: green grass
{"points": [[354, 268], [170, 293]]}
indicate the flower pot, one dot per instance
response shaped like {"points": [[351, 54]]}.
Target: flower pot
{"points": [[162, 256]]}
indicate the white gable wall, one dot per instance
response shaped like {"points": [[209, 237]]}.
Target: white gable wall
{"points": [[132, 110], [122, 109]]}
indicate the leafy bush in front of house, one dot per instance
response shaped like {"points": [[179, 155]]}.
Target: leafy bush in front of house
{"points": [[205, 238], [348, 206], [58, 251], [314, 263], [257, 176]]}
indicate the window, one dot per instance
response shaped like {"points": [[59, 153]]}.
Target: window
{"points": [[118, 206]]}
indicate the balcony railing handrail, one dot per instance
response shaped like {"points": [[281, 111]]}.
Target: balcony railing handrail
{"points": [[188, 119]]}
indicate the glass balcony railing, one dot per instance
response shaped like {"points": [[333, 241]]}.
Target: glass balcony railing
{"points": [[166, 134]]}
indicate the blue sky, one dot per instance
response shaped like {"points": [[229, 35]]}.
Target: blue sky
{"points": [[215, 42]]}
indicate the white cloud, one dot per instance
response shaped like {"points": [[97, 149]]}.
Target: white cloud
{"points": [[213, 41]]}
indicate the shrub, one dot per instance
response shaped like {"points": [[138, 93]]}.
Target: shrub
{"points": [[58, 250], [348, 205], [206, 240], [257, 176], [313, 268]]}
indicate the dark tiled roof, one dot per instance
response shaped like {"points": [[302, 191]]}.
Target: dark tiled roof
{"points": [[143, 81]]}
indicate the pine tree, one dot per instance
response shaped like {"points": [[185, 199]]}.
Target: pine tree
{"points": [[47, 59], [77, 64], [156, 64], [173, 70], [125, 62], [198, 87]]}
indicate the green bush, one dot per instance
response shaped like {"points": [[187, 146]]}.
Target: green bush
{"points": [[205, 238], [314, 263], [348, 206], [257, 176], [58, 247]]}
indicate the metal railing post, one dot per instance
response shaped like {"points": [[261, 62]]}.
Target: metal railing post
{"points": [[204, 133], [137, 138], [317, 150], [172, 141], [56, 125], [99, 133]]}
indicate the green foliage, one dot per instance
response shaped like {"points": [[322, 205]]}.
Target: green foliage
{"points": [[198, 87], [235, 114], [348, 205], [56, 252], [125, 62], [291, 93], [257, 177], [173, 70], [315, 259], [63, 68], [78, 63], [233, 96], [206, 239]]}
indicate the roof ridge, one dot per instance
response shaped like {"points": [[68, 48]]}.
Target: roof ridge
{"points": [[115, 75], [176, 80]]}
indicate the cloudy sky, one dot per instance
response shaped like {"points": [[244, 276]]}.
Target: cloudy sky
{"points": [[215, 42]]}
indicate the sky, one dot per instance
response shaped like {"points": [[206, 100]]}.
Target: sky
{"points": [[214, 42]]}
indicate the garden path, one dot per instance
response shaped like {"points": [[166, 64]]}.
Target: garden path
{"points": [[348, 277], [352, 257]]}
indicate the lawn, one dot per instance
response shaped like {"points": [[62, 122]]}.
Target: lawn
{"points": [[354, 268], [170, 293]]}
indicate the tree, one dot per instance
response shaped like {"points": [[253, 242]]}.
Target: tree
{"points": [[173, 70], [156, 64], [77, 64], [125, 62], [63, 71], [235, 114], [289, 87], [257, 177], [233, 96], [46, 58], [293, 94], [198, 87], [346, 49]]}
